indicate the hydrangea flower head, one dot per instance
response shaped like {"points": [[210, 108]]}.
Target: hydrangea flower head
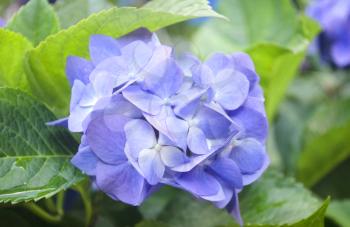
{"points": [[334, 41], [147, 120]]}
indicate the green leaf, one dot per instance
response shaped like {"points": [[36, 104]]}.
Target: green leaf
{"points": [[339, 211], [151, 224], [271, 31], [274, 200], [34, 158], [46, 63], [70, 12], [36, 20], [13, 48], [327, 141], [277, 67]]}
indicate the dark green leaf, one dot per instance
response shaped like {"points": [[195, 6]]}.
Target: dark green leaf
{"points": [[339, 211], [34, 158], [274, 200], [36, 20], [327, 141]]}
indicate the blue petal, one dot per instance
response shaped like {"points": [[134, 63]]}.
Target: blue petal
{"points": [[102, 47], [164, 79], [249, 155], [77, 117], [231, 89], [213, 124], [171, 126], [141, 34], [63, 122], [78, 69], [218, 61], [122, 182], [111, 73], [86, 161], [106, 137], [251, 122], [202, 75], [228, 170], [173, 156], [145, 101], [139, 135], [199, 182], [151, 165], [196, 141], [233, 209], [250, 178]]}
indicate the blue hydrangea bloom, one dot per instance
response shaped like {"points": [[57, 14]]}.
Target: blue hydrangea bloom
{"points": [[2, 23], [334, 41], [149, 119]]}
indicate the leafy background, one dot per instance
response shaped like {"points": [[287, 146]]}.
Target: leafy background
{"points": [[307, 103]]}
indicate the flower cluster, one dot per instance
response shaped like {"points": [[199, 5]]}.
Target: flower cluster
{"points": [[149, 119], [334, 41]]}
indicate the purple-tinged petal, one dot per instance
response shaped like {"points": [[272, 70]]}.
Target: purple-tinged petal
{"points": [[102, 47], [151, 165], [63, 122], [78, 69], [199, 182], [173, 156], [186, 62], [228, 171], [218, 61], [86, 161], [228, 191], [340, 52], [187, 102], [117, 104], [2, 23], [231, 89], [233, 208], [250, 178], [109, 74], [141, 34], [77, 117], [252, 123], [105, 135], [122, 182], [164, 79], [139, 135], [171, 126], [243, 60], [249, 155], [76, 94], [145, 101], [213, 124], [197, 141], [202, 75]]}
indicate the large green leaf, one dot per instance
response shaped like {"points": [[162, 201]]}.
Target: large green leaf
{"points": [[36, 20], [271, 31], [46, 63], [327, 141], [339, 211], [13, 48], [272, 201], [34, 158], [71, 11]]}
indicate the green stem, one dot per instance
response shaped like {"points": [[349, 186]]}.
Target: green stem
{"points": [[87, 203], [50, 205], [59, 203], [37, 210]]}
